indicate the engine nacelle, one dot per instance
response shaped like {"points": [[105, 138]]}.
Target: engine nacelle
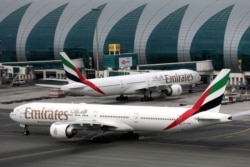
{"points": [[173, 90], [62, 131]]}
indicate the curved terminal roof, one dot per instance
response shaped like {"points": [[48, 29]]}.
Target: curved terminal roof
{"points": [[160, 31]]}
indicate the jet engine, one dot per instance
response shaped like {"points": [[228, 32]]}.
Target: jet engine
{"points": [[62, 131], [173, 90]]}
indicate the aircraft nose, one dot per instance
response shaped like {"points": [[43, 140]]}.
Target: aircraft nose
{"points": [[13, 115]]}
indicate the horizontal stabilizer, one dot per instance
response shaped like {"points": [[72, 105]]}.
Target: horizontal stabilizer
{"points": [[49, 85], [74, 86], [241, 113], [208, 118]]}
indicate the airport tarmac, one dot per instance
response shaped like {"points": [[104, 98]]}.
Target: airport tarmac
{"points": [[219, 145]]}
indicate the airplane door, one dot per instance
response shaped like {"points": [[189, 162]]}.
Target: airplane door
{"points": [[136, 118], [21, 115], [94, 116], [148, 82], [122, 84]]}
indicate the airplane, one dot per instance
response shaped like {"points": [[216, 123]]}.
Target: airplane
{"points": [[66, 119], [166, 82]]}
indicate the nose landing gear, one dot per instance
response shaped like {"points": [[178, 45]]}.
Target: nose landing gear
{"points": [[26, 130]]}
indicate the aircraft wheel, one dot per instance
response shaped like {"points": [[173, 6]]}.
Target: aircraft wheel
{"points": [[26, 132], [136, 136], [121, 98], [130, 136], [101, 139], [142, 99]]}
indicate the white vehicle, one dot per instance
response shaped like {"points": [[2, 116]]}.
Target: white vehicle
{"points": [[19, 82], [66, 119], [167, 82]]}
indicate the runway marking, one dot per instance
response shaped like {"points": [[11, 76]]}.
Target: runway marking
{"points": [[4, 117], [144, 137], [199, 146], [247, 122], [243, 134], [5, 134], [35, 154], [224, 135], [6, 125]]}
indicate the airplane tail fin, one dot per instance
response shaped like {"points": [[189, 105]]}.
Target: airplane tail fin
{"points": [[72, 73], [211, 98]]}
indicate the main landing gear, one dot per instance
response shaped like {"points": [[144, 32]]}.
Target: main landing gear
{"points": [[146, 98], [147, 95], [130, 136], [106, 139], [101, 139], [121, 98]]}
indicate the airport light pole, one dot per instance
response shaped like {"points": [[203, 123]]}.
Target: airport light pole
{"points": [[97, 43]]}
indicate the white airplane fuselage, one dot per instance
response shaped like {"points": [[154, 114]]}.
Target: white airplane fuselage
{"points": [[126, 118], [132, 84]]}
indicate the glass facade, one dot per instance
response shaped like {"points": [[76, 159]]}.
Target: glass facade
{"points": [[8, 34], [208, 43], [29, 30], [244, 52], [123, 32], [79, 41], [162, 43], [38, 65], [170, 66], [40, 42]]}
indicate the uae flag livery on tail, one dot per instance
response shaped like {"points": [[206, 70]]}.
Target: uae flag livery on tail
{"points": [[74, 75], [210, 100]]}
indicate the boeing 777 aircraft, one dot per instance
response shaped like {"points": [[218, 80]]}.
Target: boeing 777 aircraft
{"points": [[167, 82], [65, 120]]}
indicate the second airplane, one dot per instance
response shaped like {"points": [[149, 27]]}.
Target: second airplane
{"points": [[164, 82]]}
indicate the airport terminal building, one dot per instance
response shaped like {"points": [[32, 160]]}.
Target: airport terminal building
{"points": [[158, 31]]}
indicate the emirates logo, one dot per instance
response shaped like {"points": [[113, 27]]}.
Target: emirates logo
{"points": [[123, 61]]}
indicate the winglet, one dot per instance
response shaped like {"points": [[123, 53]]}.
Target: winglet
{"points": [[74, 75], [210, 100]]}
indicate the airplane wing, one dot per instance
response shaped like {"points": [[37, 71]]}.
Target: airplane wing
{"points": [[136, 88], [104, 125], [168, 89], [139, 87]]}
